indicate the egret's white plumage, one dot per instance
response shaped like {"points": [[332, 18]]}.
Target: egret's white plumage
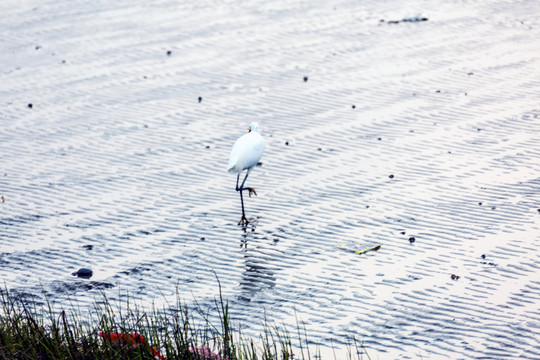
{"points": [[245, 154], [247, 150]]}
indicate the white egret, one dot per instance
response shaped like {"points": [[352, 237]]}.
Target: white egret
{"points": [[245, 154]]}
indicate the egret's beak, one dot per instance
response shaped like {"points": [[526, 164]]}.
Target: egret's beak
{"points": [[249, 129]]}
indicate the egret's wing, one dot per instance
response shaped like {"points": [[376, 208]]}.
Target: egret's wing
{"points": [[255, 148], [246, 152]]}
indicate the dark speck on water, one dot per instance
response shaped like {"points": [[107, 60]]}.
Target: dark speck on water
{"points": [[30, 105], [200, 99], [88, 247], [83, 273], [259, 163], [207, 146], [455, 277], [403, 233], [483, 256], [305, 78], [203, 238], [412, 239], [169, 52], [480, 203], [379, 139], [286, 143], [354, 106], [391, 176]]}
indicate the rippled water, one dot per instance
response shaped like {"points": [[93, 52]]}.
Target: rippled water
{"points": [[427, 130]]}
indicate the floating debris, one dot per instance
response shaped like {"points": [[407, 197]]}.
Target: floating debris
{"points": [[454, 277], [413, 18], [412, 239], [305, 78], [361, 251]]}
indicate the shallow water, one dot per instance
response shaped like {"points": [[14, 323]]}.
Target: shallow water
{"points": [[118, 167]]}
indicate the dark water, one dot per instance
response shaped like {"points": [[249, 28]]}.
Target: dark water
{"points": [[119, 168]]}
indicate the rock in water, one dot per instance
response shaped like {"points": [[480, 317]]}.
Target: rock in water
{"points": [[83, 273]]}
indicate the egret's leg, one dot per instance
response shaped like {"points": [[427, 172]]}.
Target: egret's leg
{"points": [[242, 188], [243, 219]]}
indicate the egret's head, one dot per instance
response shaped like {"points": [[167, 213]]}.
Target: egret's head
{"points": [[254, 127]]}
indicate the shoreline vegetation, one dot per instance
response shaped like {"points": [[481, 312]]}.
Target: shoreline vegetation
{"points": [[125, 331]]}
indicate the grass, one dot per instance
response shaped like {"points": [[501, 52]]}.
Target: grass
{"points": [[125, 331]]}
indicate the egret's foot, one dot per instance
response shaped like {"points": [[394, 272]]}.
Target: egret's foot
{"points": [[252, 191], [243, 221]]}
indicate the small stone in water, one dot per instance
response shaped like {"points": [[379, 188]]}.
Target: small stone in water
{"points": [[483, 256], [305, 78], [30, 105], [169, 53], [286, 143], [412, 239], [454, 277], [83, 273], [391, 176]]}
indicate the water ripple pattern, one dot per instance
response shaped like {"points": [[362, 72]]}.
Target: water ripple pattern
{"points": [[117, 119]]}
